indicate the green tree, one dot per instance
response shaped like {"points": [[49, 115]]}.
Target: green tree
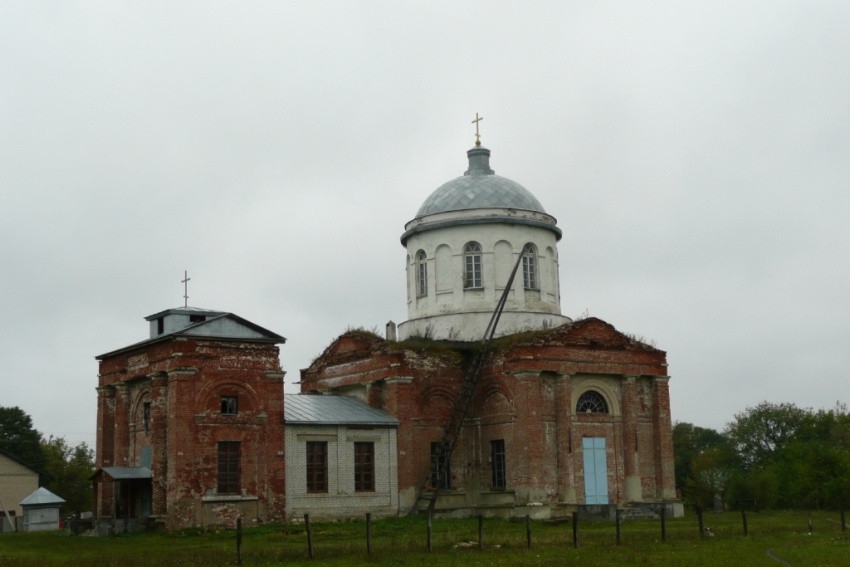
{"points": [[67, 473], [689, 441], [19, 439], [760, 433], [814, 467], [710, 473]]}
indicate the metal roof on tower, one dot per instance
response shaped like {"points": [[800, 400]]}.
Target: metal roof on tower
{"points": [[479, 188]]}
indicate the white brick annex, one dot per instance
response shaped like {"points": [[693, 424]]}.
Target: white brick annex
{"points": [[337, 424]]}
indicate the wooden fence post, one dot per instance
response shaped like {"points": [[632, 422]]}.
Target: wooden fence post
{"points": [[617, 521], [810, 523], [429, 532], [575, 530], [368, 532], [528, 530], [663, 522], [843, 523], [744, 519], [480, 531], [239, 541], [699, 518], [309, 535]]}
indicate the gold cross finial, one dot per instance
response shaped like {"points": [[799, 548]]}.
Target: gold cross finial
{"points": [[477, 134]]}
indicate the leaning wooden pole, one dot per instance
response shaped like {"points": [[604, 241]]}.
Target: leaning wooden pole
{"points": [[463, 401], [6, 515]]}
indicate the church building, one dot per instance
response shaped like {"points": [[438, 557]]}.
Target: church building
{"points": [[486, 400], [563, 414]]}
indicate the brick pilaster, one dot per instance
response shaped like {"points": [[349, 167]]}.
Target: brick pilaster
{"points": [[632, 488], [564, 431], [159, 442], [665, 478]]}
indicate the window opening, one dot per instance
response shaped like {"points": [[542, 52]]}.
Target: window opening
{"points": [[591, 402], [364, 467], [497, 463], [472, 265], [229, 405], [146, 417], [160, 325], [440, 470], [529, 267], [197, 318], [317, 466], [421, 274], [228, 467]]}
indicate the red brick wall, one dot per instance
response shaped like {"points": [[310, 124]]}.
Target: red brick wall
{"points": [[184, 379], [524, 397]]}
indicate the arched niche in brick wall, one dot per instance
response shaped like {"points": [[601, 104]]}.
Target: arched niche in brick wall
{"points": [[436, 401], [492, 400], [210, 396]]}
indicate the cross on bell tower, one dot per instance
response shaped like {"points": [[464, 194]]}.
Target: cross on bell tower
{"points": [[185, 282], [477, 133]]}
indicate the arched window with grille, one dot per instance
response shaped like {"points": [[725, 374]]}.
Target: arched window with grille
{"points": [[529, 267], [591, 402], [472, 265], [421, 274]]}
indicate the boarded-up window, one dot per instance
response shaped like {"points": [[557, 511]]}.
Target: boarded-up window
{"points": [[497, 463], [440, 473], [228, 467]]}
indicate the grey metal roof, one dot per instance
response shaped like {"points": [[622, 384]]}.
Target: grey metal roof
{"points": [[187, 310], [127, 473], [479, 188], [192, 329], [41, 497], [333, 410]]}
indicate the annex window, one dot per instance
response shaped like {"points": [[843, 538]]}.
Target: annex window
{"points": [[317, 466], [529, 267], [421, 274], [440, 470], [229, 405], [228, 467], [497, 463], [591, 402], [146, 417], [364, 467], [472, 265]]}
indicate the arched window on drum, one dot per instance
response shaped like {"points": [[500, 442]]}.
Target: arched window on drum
{"points": [[529, 267], [472, 265], [421, 274]]}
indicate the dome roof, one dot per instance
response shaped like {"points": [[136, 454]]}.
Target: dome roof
{"points": [[479, 188]]}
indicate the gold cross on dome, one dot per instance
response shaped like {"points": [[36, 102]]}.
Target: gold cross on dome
{"points": [[477, 134]]}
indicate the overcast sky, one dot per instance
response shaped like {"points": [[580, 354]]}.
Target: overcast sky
{"points": [[695, 154]]}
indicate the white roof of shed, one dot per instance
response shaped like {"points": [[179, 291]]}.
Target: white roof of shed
{"points": [[41, 497]]}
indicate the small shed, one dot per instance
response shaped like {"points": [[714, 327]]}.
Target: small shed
{"points": [[41, 511]]}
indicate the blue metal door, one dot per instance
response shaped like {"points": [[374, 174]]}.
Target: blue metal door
{"points": [[595, 470]]}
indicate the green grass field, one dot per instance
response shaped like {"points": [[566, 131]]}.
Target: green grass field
{"points": [[402, 541]]}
